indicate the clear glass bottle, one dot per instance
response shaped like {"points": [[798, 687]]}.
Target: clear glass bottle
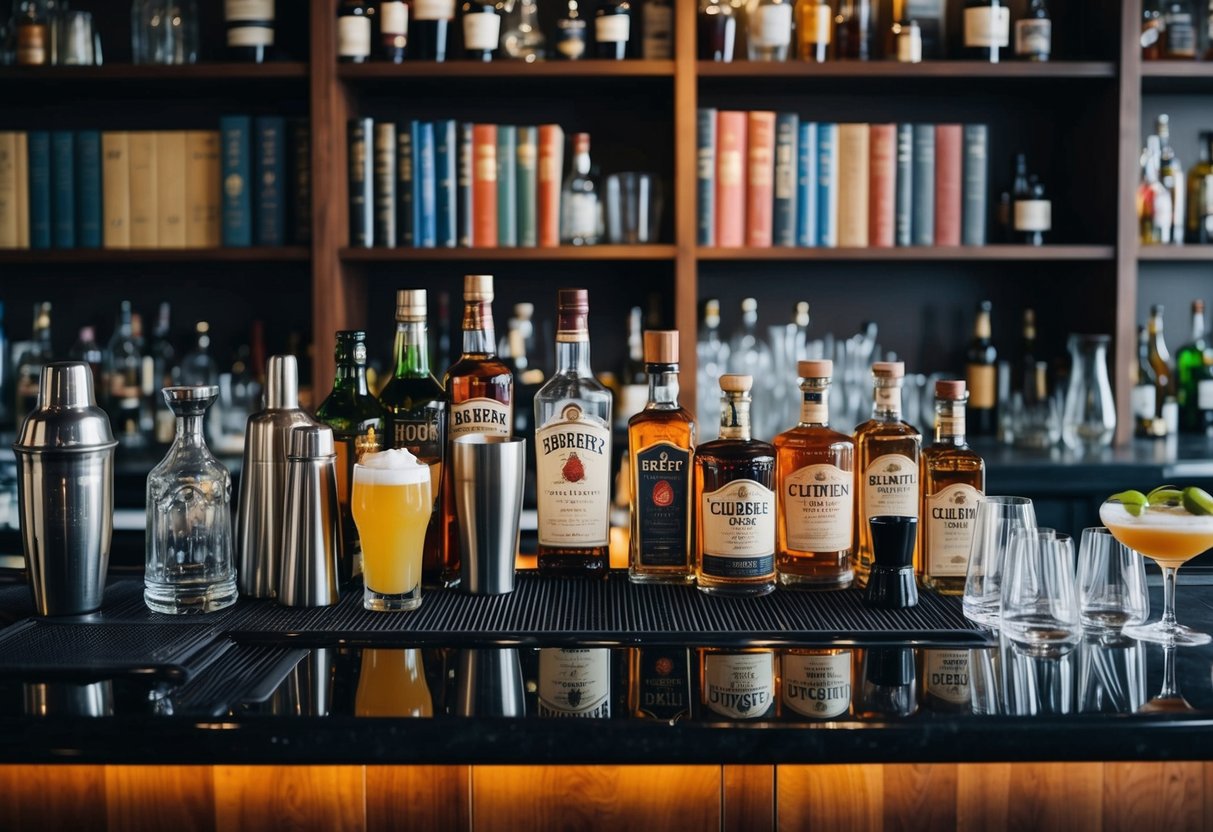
{"points": [[189, 565], [1089, 422], [1155, 217], [87, 349], [164, 31], [713, 358], [481, 29], [749, 354], [581, 224], [523, 38], [1200, 193], [855, 30], [770, 30], [1171, 175], [124, 375]]}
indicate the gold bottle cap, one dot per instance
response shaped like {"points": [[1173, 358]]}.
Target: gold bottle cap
{"points": [[661, 346], [478, 287], [823, 368], [889, 369], [951, 388], [735, 383], [410, 305]]}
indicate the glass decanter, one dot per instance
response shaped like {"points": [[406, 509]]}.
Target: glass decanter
{"points": [[189, 527]]}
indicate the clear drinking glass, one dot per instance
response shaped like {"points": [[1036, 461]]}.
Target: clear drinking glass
{"points": [[164, 31], [76, 41], [1039, 603], [1111, 675], [1111, 583], [391, 509], [189, 528], [1089, 421], [633, 207], [997, 518]]}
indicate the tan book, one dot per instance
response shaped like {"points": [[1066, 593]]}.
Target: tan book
{"points": [[145, 225], [116, 190], [8, 190], [203, 199], [22, 171], [170, 188], [853, 159]]}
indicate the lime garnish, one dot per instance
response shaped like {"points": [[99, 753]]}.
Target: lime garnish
{"points": [[1134, 501], [1197, 500], [1165, 495]]}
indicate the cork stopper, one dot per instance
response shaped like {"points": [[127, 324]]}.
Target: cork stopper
{"points": [[1198, 305], [572, 314], [823, 368], [524, 310], [478, 287], [661, 346], [735, 383], [950, 388], [889, 369], [410, 305]]}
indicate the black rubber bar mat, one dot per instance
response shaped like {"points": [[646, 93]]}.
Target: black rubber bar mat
{"points": [[240, 673]]}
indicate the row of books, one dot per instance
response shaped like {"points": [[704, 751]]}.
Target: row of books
{"points": [[771, 179], [445, 184], [248, 183]]}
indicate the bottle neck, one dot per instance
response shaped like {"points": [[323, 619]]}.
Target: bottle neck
{"points": [[573, 357], [479, 337], [815, 403], [949, 422], [735, 416], [1198, 325], [886, 405], [663, 386], [189, 431], [412, 350], [581, 162], [351, 378]]}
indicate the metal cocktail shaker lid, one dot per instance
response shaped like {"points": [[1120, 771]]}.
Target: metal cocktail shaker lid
{"points": [[311, 442], [282, 383], [67, 417]]}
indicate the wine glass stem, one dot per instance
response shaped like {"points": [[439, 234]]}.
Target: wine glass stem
{"points": [[1170, 688], [1168, 597]]}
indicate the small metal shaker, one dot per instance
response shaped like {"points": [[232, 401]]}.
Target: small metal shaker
{"points": [[489, 473], [65, 491], [312, 538], [260, 515]]}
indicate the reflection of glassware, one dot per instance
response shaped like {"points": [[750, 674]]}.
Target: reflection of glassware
{"points": [[522, 38], [77, 44], [1039, 609], [1172, 537], [164, 32], [1168, 700], [1111, 583], [1111, 675], [391, 509], [1036, 684], [890, 684], [985, 680], [997, 518], [1089, 422], [189, 544], [392, 683]]}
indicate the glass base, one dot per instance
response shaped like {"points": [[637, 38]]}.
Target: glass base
{"points": [[1176, 635], [987, 615], [175, 599], [381, 602]]}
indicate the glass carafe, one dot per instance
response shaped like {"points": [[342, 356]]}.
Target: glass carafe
{"points": [[1089, 422], [189, 528]]}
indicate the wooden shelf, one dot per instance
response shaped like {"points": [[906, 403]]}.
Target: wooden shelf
{"points": [[602, 252], [87, 256], [584, 70], [914, 253], [1177, 76], [1193, 253], [132, 72], [953, 70]]}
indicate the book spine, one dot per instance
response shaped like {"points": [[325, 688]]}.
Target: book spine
{"points": [[827, 185], [787, 134], [9, 234], [116, 189], [425, 187], [507, 195], [922, 221], [854, 155], [270, 226], [551, 167], [170, 189], [63, 188], [236, 167], [301, 182], [88, 189], [806, 185], [882, 180], [976, 184], [197, 172], [905, 185], [446, 160], [40, 189], [362, 221], [527, 182], [145, 225], [705, 178], [385, 184], [22, 169], [464, 187], [484, 186], [730, 178], [948, 176], [404, 184], [760, 177]]}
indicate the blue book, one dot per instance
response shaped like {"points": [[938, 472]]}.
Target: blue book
{"points": [[507, 185], [806, 185], [827, 185], [463, 187], [705, 177], [63, 188], [236, 163], [39, 189], [446, 157], [425, 214], [270, 226], [404, 183], [903, 199], [922, 214], [787, 134], [975, 185], [88, 189]]}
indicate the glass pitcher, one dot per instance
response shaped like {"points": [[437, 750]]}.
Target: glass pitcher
{"points": [[1089, 421]]}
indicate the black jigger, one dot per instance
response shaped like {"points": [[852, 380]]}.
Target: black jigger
{"points": [[891, 584]]}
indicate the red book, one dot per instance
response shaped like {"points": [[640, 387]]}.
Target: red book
{"points": [[547, 198], [730, 178], [949, 141], [760, 179], [882, 184], [484, 186]]}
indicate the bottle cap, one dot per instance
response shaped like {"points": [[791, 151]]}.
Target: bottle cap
{"points": [[1198, 305], [749, 305], [889, 369], [410, 305], [661, 346], [951, 388], [736, 383], [572, 314], [802, 313], [823, 368], [478, 287], [524, 310], [351, 347]]}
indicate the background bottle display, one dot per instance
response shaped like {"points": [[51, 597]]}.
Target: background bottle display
{"points": [[481, 29], [429, 29], [1171, 175], [712, 353], [987, 29], [1190, 363], [1034, 33], [612, 29], [657, 29], [581, 212], [354, 31], [1200, 193], [393, 30], [855, 30], [814, 24], [1179, 31], [770, 30], [123, 372], [717, 35], [250, 29], [571, 33], [981, 366]]}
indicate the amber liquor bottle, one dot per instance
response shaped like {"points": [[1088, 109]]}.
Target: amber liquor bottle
{"points": [[886, 462], [661, 439], [953, 482], [573, 452], [735, 501], [479, 399], [981, 370], [815, 469]]}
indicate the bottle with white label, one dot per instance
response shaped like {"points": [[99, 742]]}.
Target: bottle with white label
{"points": [[886, 463], [393, 29], [429, 29], [612, 29], [658, 34], [815, 469], [1033, 215], [574, 682], [1034, 33], [953, 480], [987, 29], [907, 40], [735, 501], [814, 684], [770, 30], [581, 212], [250, 29], [736, 684], [481, 29], [573, 451], [354, 31], [571, 40]]}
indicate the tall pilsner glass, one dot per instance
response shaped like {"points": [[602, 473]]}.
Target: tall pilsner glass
{"points": [[391, 508]]}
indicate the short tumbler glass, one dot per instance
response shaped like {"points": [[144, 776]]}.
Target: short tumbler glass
{"points": [[1039, 603], [1111, 583]]}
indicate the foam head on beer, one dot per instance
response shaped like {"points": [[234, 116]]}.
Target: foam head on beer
{"points": [[395, 466]]}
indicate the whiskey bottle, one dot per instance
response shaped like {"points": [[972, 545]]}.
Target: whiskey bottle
{"points": [[123, 374], [1178, 30], [481, 29], [574, 682], [814, 23], [415, 417], [953, 483], [1034, 33], [814, 684], [981, 370], [736, 685], [661, 439], [431, 26], [735, 501], [1200, 193], [1151, 30], [573, 451], [33, 41], [393, 30], [717, 25], [479, 399], [354, 31], [250, 29], [987, 29], [886, 461], [815, 469], [1154, 215], [855, 30], [1143, 397], [658, 30], [659, 683], [1160, 361], [612, 29], [570, 34]]}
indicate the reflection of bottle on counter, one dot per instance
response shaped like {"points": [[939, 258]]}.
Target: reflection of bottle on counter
{"points": [[736, 684], [659, 683], [814, 684], [392, 683], [575, 682], [945, 681], [888, 686]]}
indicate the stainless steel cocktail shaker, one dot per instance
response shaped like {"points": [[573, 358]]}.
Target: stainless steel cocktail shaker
{"points": [[311, 541], [65, 490]]}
